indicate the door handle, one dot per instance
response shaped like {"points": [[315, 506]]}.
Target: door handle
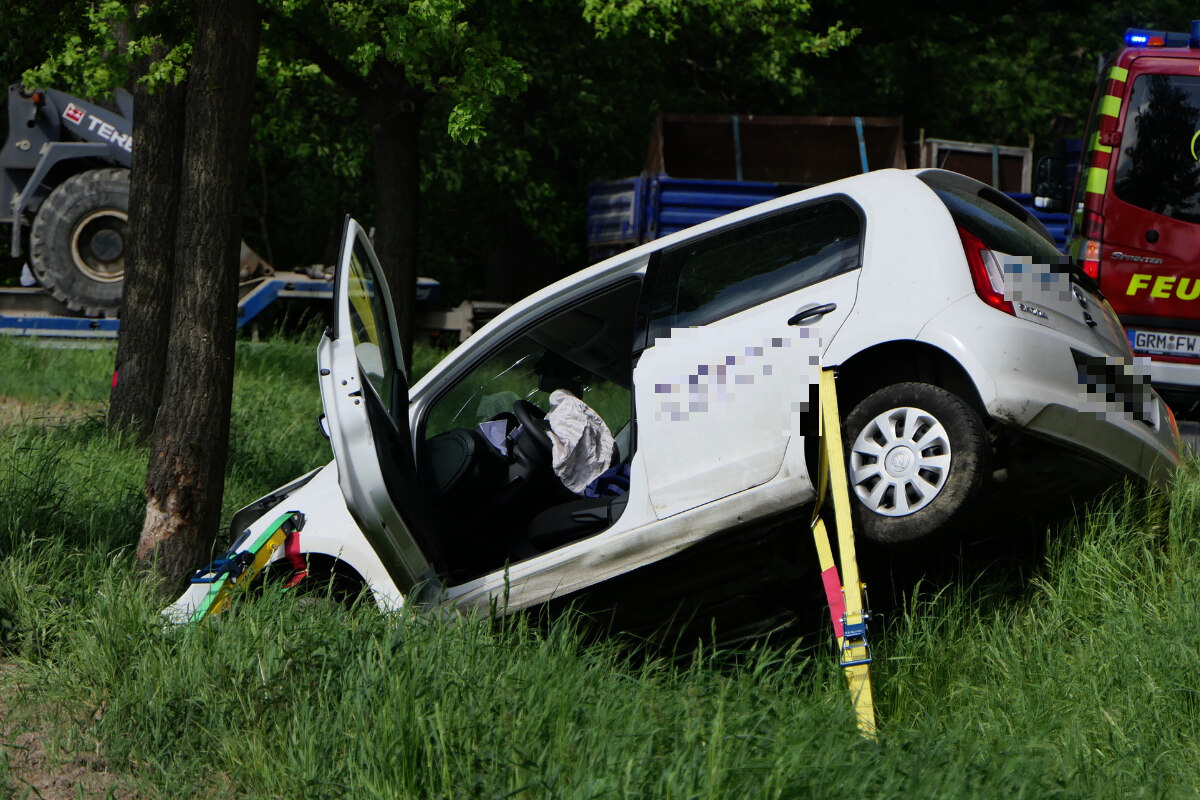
{"points": [[804, 315]]}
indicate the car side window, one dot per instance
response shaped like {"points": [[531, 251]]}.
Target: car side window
{"points": [[712, 277]]}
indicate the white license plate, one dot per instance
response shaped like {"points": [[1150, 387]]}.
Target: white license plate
{"points": [[1165, 343]]}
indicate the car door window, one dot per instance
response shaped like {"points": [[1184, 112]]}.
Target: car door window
{"points": [[715, 276], [368, 329]]}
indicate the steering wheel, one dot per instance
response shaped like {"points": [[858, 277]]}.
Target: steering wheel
{"points": [[536, 432]]}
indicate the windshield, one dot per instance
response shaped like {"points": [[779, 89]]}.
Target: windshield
{"points": [[1157, 167], [489, 390], [584, 349]]}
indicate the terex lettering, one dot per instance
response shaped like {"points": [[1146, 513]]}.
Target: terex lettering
{"points": [[108, 132], [1164, 286]]}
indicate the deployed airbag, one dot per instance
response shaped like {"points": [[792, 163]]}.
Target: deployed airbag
{"points": [[582, 445]]}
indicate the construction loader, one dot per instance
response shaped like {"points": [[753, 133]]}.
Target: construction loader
{"points": [[64, 187]]}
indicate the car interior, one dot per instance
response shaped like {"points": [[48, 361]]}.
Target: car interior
{"points": [[486, 456]]}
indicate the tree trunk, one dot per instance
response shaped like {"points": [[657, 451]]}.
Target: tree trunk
{"points": [[146, 300], [185, 478], [395, 116]]}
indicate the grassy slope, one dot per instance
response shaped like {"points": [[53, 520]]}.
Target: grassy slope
{"points": [[1080, 682]]}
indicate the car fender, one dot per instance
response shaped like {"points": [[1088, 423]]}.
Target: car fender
{"points": [[952, 332], [328, 530]]}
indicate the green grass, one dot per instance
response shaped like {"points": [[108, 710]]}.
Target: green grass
{"points": [[1079, 681], [37, 372]]}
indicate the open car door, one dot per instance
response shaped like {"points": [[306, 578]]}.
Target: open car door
{"points": [[364, 389]]}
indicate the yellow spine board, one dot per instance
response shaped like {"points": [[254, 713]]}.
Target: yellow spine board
{"points": [[221, 593], [857, 653]]}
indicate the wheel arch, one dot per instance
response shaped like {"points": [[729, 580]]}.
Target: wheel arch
{"points": [[338, 576], [899, 362], [347, 572], [71, 165]]}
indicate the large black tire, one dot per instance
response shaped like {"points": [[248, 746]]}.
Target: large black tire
{"points": [[916, 457], [78, 239]]}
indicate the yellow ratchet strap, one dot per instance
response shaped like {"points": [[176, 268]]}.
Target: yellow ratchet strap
{"points": [[846, 607]]}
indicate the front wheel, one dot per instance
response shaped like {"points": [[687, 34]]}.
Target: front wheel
{"points": [[917, 455], [78, 240]]}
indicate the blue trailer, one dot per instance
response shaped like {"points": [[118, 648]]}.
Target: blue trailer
{"points": [[32, 311], [625, 213], [702, 167]]}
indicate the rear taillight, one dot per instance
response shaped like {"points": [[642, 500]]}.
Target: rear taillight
{"points": [[986, 272], [1093, 235]]}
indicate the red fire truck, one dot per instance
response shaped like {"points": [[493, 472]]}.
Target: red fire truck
{"points": [[1136, 201]]}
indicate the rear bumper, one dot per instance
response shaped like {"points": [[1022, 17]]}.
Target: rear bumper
{"points": [[1028, 377], [1153, 460]]}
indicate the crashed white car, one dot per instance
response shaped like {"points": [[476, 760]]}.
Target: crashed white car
{"points": [[968, 354]]}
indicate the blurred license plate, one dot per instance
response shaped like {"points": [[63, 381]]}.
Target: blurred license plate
{"points": [[1165, 343]]}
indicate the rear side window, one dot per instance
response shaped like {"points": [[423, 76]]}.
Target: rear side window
{"points": [[1157, 168], [707, 279]]}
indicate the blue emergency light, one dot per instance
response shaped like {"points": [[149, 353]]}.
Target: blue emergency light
{"points": [[1142, 37]]}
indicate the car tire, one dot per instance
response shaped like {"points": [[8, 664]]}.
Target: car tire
{"points": [[78, 239], [916, 457]]}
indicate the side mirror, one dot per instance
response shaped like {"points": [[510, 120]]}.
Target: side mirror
{"points": [[1050, 189]]}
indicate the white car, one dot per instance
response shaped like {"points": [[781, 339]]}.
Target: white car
{"points": [[966, 352]]}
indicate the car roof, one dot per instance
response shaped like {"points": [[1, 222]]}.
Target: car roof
{"points": [[858, 188]]}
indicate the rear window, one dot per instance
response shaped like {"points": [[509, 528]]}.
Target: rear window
{"points": [[1004, 226], [998, 226], [1157, 168]]}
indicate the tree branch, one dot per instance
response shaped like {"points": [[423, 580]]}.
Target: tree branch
{"points": [[315, 52]]}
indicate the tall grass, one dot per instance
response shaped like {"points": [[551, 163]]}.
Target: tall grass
{"points": [[1082, 681]]}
